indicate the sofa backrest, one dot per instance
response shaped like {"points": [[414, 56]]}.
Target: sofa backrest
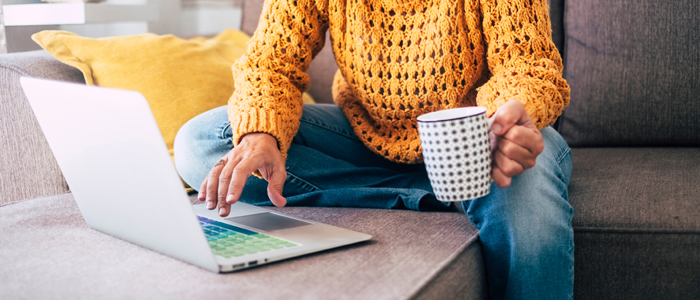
{"points": [[634, 72], [27, 166]]}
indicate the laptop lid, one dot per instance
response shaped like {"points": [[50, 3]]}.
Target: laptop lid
{"points": [[112, 170]]}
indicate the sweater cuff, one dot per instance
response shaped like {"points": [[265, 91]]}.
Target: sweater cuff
{"points": [[544, 96], [263, 120]]}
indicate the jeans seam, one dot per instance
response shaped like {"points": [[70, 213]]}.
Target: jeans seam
{"points": [[352, 136], [316, 188], [563, 154], [559, 159]]}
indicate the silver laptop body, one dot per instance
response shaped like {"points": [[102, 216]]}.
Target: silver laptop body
{"points": [[119, 170]]}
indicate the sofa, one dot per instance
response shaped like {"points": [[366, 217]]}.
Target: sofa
{"points": [[633, 125]]}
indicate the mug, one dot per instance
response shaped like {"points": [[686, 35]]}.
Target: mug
{"points": [[457, 152]]}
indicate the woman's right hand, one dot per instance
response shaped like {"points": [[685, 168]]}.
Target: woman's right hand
{"points": [[224, 184]]}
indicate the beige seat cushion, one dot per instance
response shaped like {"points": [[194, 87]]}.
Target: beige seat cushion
{"points": [[47, 251]]}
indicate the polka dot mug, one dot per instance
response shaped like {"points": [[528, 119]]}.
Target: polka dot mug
{"points": [[456, 152]]}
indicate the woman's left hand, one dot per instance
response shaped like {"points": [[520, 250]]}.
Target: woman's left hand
{"points": [[517, 142]]}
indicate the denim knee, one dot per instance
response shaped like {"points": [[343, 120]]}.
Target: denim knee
{"points": [[525, 229], [200, 143]]}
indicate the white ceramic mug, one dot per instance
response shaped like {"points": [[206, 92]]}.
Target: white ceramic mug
{"points": [[456, 152]]}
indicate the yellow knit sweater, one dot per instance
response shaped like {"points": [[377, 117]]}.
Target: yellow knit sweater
{"points": [[398, 59]]}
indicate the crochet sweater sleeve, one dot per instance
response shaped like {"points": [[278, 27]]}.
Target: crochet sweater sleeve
{"points": [[524, 63], [271, 77]]}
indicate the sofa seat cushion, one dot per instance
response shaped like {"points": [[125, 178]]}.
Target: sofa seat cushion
{"points": [[47, 251], [636, 189], [636, 223]]}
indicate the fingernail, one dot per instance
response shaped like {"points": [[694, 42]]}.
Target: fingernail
{"points": [[222, 211], [496, 128], [210, 205], [229, 198]]}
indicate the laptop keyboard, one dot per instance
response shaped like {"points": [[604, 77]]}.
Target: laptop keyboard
{"points": [[231, 241]]}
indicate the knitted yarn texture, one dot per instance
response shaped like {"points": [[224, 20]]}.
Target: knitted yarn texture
{"points": [[398, 59]]}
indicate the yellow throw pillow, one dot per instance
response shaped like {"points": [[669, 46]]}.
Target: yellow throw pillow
{"points": [[180, 78]]}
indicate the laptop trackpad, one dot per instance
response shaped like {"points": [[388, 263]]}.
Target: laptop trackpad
{"points": [[268, 221]]}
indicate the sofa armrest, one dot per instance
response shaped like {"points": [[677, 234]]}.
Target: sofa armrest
{"points": [[28, 168]]}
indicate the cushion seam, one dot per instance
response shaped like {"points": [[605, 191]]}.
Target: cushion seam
{"points": [[15, 69], [23, 200], [635, 231]]}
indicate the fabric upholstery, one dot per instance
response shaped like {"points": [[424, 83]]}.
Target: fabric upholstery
{"points": [[636, 189], [322, 68], [634, 72], [46, 243], [636, 223], [556, 16], [28, 168], [624, 265]]}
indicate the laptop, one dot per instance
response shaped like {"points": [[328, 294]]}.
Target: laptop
{"points": [[122, 177]]}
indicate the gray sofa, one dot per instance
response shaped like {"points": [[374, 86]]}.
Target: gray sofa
{"points": [[633, 124]]}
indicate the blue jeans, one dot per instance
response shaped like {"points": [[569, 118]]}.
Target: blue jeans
{"points": [[525, 229]]}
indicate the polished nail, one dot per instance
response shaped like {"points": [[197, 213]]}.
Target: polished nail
{"points": [[222, 211], [210, 205]]}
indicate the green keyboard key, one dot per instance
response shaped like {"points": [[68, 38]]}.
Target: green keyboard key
{"points": [[238, 253], [265, 248], [287, 244], [275, 246], [249, 251], [230, 239]]}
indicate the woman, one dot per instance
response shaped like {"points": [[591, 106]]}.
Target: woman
{"points": [[399, 59]]}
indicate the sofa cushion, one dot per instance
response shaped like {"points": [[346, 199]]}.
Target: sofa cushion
{"points": [[636, 189], [49, 252], [636, 223], [634, 72], [27, 166]]}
